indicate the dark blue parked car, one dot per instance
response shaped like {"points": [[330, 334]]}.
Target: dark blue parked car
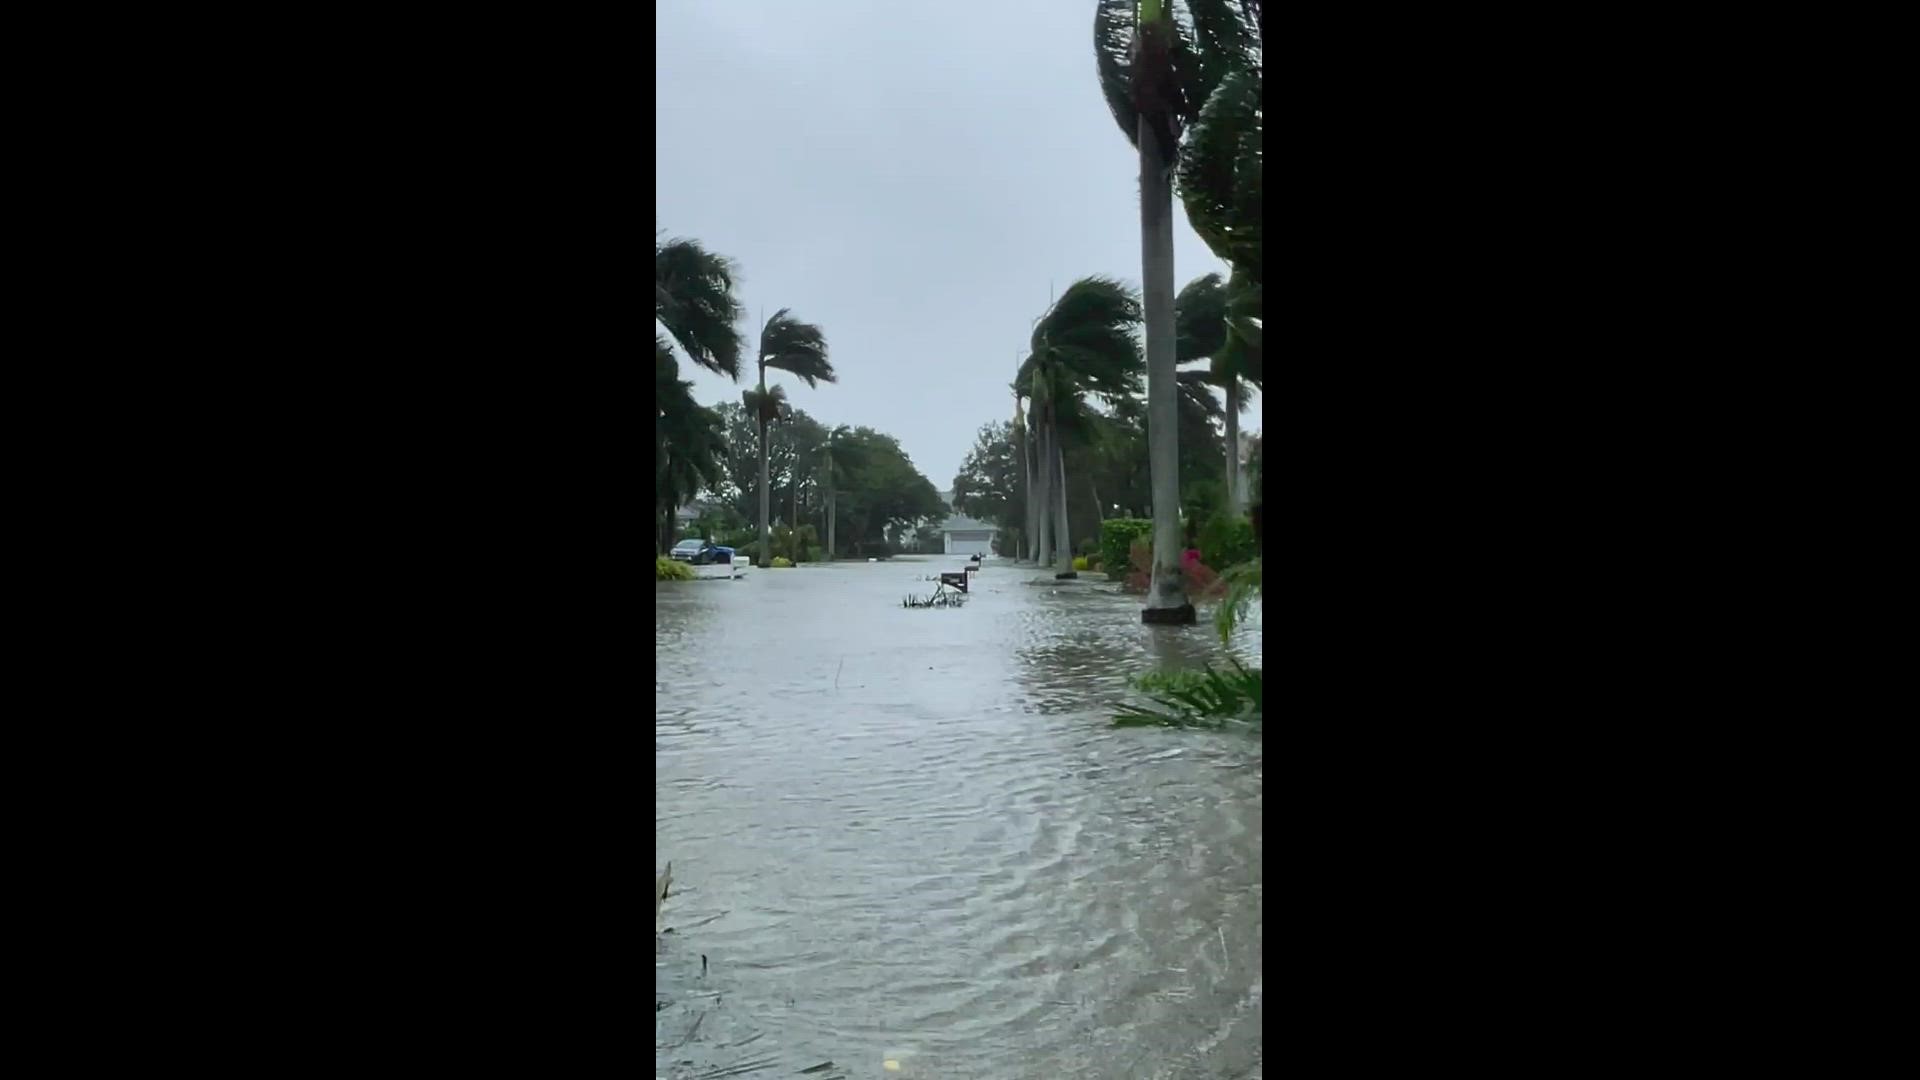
{"points": [[701, 552]]}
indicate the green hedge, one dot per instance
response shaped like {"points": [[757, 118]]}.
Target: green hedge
{"points": [[665, 569], [1227, 540], [1116, 539]]}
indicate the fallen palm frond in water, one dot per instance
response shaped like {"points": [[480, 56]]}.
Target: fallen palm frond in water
{"points": [[1202, 699]]}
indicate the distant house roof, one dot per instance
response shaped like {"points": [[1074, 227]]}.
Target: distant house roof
{"points": [[961, 522]]}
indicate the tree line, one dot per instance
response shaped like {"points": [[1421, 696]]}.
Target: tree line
{"points": [[761, 458]]}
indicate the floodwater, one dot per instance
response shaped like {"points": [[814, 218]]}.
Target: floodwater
{"points": [[914, 836]]}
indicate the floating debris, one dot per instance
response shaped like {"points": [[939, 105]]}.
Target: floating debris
{"points": [[660, 886]]}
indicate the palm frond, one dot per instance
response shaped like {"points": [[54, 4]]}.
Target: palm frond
{"points": [[1212, 168], [1249, 172], [1196, 394], [770, 408], [690, 444], [1095, 300], [1245, 327], [1243, 590], [1199, 699], [1219, 42], [1087, 342], [1200, 319], [693, 298], [1113, 22], [790, 345]]}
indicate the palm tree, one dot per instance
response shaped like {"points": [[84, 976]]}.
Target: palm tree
{"points": [[693, 299], [690, 443], [1085, 343], [786, 344], [1156, 73], [1204, 330], [1220, 179]]}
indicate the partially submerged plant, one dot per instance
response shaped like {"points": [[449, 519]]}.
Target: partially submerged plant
{"points": [[942, 597], [1202, 699]]}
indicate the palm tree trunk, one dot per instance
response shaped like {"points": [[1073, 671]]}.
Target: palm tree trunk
{"points": [[1235, 485], [1027, 533], [1167, 595], [1042, 521], [1026, 521], [1063, 558], [830, 507], [766, 495], [1032, 526]]}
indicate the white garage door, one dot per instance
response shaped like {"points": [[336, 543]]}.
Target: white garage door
{"points": [[970, 542]]}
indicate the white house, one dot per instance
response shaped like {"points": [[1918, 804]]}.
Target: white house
{"points": [[962, 535]]}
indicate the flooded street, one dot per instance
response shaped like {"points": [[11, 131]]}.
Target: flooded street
{"points": [[915, 836]]}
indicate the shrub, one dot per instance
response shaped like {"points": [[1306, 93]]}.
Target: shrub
{"points": [[1227, 540], [1090, 546], [1080, 563], [792, 543], [1139, 564], [816, 554], [1117, 536], [781, 562], [665, 569]]}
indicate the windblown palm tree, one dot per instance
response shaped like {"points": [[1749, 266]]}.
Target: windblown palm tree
{"points": [[690, 445], [1220, 180], [786, 344], [1085, 344], [1157, 73], [1205, 331], [693, 299]]}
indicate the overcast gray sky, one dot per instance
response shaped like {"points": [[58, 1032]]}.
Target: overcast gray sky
{"points": [[911, 176]]}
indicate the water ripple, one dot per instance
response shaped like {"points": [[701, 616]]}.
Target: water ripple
{"points": [[951, 856]]}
